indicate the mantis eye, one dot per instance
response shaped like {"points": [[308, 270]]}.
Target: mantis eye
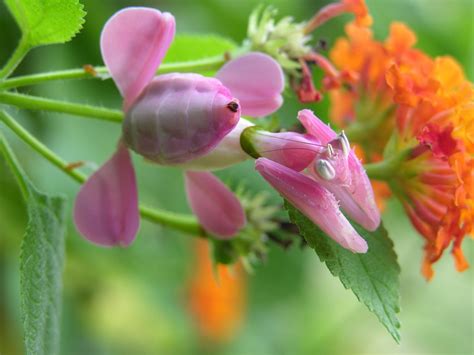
{"points": [[324, 169]]}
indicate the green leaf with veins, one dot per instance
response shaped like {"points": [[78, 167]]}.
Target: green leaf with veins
{"points": [[373, 276], [41, 263], [47, 21]]}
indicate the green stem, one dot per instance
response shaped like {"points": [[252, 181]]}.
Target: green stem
{"points": [[388, 168], [201, 65], [14, 166], [28, 138], [15, 59], [39, 103], [183, 223]]}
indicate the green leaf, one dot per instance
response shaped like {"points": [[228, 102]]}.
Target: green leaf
{"points": [[373, 277], [47, 21], [187, 47], [41, 263]]}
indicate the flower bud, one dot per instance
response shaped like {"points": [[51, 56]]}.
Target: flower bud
{"points": [[293, 150], [179, 117]]}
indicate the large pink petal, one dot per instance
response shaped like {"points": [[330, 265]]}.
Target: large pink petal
{"points": [[257, 80], [315, 127], [216, 207], [133, 44], [180, 117], [314, 201], [106, 208]]}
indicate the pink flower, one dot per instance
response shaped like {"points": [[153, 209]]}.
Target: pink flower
{"points": [[171, 119], [328, 167]]}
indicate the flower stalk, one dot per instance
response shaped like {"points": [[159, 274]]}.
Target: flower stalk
{"points": [[101, 72], [39, 103]]}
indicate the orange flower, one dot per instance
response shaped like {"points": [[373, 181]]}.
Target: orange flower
{"points": [[217, 296], [436, 184], [368, 99], [399, 99]]}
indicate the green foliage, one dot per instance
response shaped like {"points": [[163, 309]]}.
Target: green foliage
{"points": [[373, 277], [189, 47], [47, 21], [41, 263]]}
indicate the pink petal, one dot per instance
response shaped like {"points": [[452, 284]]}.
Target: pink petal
{"points": [[180, 117], [293, 150], [257, 80], [315, 127], [315, 202], [133, 44], [106, 207], [216, 207]]}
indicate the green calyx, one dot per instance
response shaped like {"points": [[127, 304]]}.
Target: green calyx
{"points": [[247, 139]]}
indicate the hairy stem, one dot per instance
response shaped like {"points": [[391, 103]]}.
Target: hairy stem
{"points": [[89, 72], [181, 222], [40, 103], [15, 59]]}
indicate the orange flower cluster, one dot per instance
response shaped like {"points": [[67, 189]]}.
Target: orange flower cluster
{"points": [[217, 297], [394, 98]]}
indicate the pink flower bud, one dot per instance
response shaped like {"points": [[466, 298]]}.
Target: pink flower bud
{"points": [[180, 117], [290, 149]]}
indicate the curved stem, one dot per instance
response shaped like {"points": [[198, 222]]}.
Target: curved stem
{"points": [[40, 103], [181, 222], [90, 72], [15, 59], [14, 166]]}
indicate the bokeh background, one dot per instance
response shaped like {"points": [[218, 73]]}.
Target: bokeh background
{"points": [[136, 300]]}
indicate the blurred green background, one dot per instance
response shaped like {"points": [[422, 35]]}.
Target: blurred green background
{"points": [[133, 301]]}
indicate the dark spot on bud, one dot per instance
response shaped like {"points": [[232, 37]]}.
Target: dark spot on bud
{"points": [[233, 106]]}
